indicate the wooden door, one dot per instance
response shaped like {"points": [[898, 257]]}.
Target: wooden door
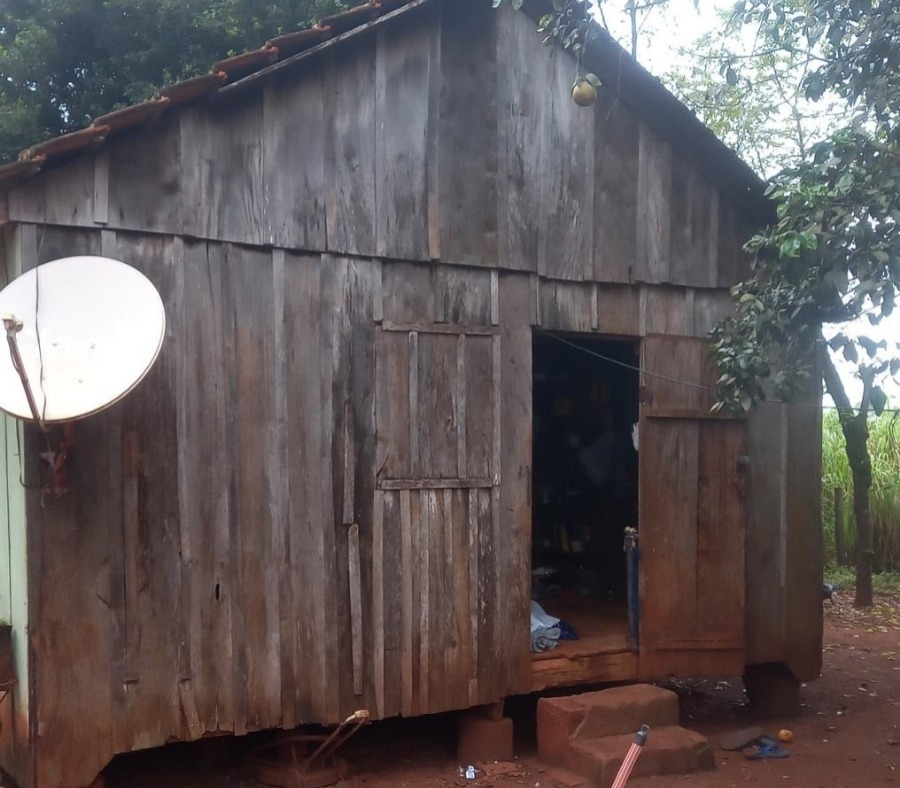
{"points": [[691, 517], [437, 528]]}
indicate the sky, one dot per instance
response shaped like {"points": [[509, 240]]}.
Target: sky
{"points": [[665, 33]]}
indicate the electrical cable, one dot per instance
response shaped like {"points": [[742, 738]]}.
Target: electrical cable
{"points": [[687, 383]]}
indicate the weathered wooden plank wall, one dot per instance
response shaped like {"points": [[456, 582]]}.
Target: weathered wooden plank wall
{"points": [[448, 135]]}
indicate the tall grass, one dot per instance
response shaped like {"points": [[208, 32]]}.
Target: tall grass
{"points": [[884, 504]]}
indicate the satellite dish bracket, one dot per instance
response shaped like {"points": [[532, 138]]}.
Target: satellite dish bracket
{"points": [[13, 326]]}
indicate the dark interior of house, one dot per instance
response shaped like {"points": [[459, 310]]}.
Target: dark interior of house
{"points": [[585, 473]]}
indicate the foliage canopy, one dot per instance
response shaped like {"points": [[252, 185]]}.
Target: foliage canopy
{"points": [[64, 62]]}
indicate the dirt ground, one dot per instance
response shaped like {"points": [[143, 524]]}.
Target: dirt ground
{"points": [[847, 735]]}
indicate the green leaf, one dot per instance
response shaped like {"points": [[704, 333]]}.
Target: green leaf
{"points": [[731, 76], [517, 4], [838, 279], [870, 346], [496, 3], [850, 353], [593, 79]]}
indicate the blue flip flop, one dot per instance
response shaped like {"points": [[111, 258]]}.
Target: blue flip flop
{"points": [[765, 750]]}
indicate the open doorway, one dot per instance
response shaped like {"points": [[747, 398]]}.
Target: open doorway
{"points": [[585, 406]]}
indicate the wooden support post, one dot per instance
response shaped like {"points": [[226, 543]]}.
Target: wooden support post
{"points": [[840, 548]]}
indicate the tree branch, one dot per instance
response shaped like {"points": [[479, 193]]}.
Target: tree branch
{"points": [[834, 385]]}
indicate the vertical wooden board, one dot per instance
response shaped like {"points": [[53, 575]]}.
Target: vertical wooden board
{"points": [[484, 599], [710, 306], [479, 426], [310, 507], [618, 310], [223, 172], [615, 189], [392, 418], [438, 638], [408, 293], [145, 179], [652, 263], [721, 532], [350, 148], [766, 536], [294, 171], [803, 509], [666, 310], [405, 57], [566, 306], [394, 595], [567, 227], [668, 520], [364, 466], [467, 162], [678, 374], [436, 425], [65, 199], [51, 243], [523, 105], [733, 262], [513, 550], [149, 424], [74, 547], [258, 653], [460, 665], [334, 350], [462, 295], [694, 227], [408, 563], [205, 484]]}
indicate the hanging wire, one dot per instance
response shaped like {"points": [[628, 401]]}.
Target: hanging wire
{"points": [[687, 383]]}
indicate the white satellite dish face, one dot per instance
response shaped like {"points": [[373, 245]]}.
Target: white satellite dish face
{"points": [[100, 324]]}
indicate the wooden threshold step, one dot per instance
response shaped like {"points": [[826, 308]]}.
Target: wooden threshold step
{"points": [[669, 750]]}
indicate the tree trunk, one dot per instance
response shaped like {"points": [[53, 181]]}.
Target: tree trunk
{"points": [[855, 427]]}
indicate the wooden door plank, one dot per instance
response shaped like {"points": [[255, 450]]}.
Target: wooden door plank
{"points": [[668, 532], [432, 404], [379, 620], [720, 544], [395, 595]]}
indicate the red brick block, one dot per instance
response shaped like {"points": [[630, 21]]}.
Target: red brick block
{"points": [[557, 721], [484, 739], [622, 710]]}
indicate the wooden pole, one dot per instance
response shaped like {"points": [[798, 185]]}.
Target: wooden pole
{"points": [[840, 548]]}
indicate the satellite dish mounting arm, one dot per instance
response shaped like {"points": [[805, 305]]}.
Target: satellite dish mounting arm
{"points": [[13, 326]]}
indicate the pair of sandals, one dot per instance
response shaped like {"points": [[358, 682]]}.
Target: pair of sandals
{"points": [[756, 744]]}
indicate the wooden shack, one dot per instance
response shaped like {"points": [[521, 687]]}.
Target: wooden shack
{"points": [[408, 282]]}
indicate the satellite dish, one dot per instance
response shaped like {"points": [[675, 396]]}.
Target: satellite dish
{"points": [[87, 330]]}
